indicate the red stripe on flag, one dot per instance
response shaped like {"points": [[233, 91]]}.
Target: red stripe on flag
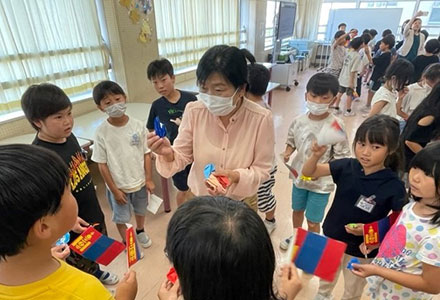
{"points": [[330, 260], [393, 217], [111, 253]]}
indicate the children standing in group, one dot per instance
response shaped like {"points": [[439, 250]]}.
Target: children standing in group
{"points": [[337, 54], [258, 79], [408, 263], [38, 208], [49, 111], [396, 78], [432, 49], [310, 197], [348, 76], [367, 189], [169, 108], [123, 159], [381, 61]]}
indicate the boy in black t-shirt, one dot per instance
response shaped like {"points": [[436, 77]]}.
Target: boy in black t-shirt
{"points": [[49, 111], [169, 108], [381, 61], [432, 48]]}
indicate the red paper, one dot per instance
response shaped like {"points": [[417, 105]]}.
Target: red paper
{"points": [[172, 275]]}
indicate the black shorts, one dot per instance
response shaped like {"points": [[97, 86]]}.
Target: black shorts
{"points": [[180, 179], [347, 90]]}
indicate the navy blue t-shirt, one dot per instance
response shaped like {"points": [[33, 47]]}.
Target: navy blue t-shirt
{"points": [[351, 183], [169, 111]]}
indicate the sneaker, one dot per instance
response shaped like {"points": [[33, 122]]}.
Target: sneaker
{"points": [[144, 240], [336, 111], [270, 226], [366, 109], [349, 113], [284, 245], [108, 278]]}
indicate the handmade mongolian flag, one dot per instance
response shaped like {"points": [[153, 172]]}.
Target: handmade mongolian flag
{"points": [[133, 253], [97, 247], [316, 254], [375, 232], [172, 275]]}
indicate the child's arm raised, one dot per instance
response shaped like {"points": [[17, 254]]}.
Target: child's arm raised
{"points": [[311, 167], [426, 282]]}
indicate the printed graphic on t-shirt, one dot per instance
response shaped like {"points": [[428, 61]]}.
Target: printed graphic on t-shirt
{"points": [[78, 171]]}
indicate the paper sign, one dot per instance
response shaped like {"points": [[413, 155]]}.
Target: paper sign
{"points": [[154, 203]]}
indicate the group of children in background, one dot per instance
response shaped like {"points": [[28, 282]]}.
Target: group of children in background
{"points": [[368, 188]]}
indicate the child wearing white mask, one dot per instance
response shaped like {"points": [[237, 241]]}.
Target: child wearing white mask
{"points": [[123, 159], [309, 196]]}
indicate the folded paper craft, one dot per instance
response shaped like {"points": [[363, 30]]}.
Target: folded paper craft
{"points": [[331, 134], [159, 128]]}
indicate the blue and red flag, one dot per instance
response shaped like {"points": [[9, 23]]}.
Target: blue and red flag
{"points": [[317, 254], [375, 232], [94, 246], [133, 253]]}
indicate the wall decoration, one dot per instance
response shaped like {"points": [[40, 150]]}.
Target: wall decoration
{"points": [[138, 11]]}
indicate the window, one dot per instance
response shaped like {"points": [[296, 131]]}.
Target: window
{"points": [[186, 29], [49, 41], [325, 12], [433, 18]]}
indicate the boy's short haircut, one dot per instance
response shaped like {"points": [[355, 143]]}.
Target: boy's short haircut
{"points": [[357, 42], [389, 40], [373, 32], [342, 24], [32, 182], [40, 101], [432, 72], [386, 32], [366, 37], [159, 68], [338, 34], [322, 83], [432, 46], [105, 88], [258, 79], [366, 31]]}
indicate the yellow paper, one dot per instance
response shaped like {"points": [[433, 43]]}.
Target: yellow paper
{"points": [[134, 16], [125, 3]]}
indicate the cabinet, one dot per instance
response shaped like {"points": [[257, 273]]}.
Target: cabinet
{"points": [[285, 74]]}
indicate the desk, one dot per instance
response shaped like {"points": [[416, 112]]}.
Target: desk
{"points": [[270, 87]]}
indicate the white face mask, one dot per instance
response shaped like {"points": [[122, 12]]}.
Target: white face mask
{"points": [[316, 109], [217, 105], [116, 110]]}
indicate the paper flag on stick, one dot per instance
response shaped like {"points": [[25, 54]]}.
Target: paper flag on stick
{"points": [[375, 232], [97, 247], [316, 254], [172, 275], [209, 168], [133, 253], [159, 128], [331, 134], [63, 240]]}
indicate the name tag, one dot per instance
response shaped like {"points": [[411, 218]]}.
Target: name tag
{"points": [[135, 139], [366, 203]]}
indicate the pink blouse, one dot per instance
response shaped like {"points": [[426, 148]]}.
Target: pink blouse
{"points": [[246, 145]]}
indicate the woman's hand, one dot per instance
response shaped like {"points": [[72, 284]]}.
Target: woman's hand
{"points": [[364, 270], [160, 146], [169, 291], [355, 229], [60, 252], [290, 284], [233, 176]]}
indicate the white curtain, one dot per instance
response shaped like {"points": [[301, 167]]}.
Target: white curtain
{"points": [[49, 41], [187, 28], [307, 19]]}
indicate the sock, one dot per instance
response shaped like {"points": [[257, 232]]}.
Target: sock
{"points": [[271, 221], [349, 110], [99, 273], [139, 230], [337, 107]]}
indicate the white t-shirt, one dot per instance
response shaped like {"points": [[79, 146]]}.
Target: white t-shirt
{"points": [[352, 63], [415, 96], [411, 241], [302, 132], [383, 94], [123, 150]]}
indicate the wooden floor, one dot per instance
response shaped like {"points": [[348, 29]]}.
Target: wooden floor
{"points": [[152, 269]]}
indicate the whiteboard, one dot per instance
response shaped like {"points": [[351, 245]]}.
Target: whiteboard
{"points": [[364, 18]]}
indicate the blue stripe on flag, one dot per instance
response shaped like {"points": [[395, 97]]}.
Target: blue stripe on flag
{"points": [[311, 252], [98, 248]]}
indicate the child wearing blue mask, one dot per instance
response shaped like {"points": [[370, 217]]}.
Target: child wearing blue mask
{"points": [[310, 197]]}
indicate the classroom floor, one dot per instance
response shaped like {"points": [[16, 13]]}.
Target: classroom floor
{"points": [[152, 269]]}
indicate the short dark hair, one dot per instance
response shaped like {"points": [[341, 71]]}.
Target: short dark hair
{"points": [[339, 33], [389, 40], [373, 32], [342, 24], [229, 61], [40, 101], [432, 46], [402, 70], [105, 88], [425, 33], [258, 79], [159, 68], [366, 31], [383, 130], [322, 83], [224, 244], [357, 42], [32, 182], [432, 72], [386, 32], [366, 37]]}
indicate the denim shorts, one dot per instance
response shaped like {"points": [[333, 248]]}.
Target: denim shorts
{"points": [[313, 203], [136, 200]]}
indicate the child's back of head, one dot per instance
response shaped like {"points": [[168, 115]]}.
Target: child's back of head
{"points": [[40, 101], [432, 46], [386, 32], [432, 74], [258, 79], [389, 40], [224, 244], [399, 73], [356, 43], [322, 83]]}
